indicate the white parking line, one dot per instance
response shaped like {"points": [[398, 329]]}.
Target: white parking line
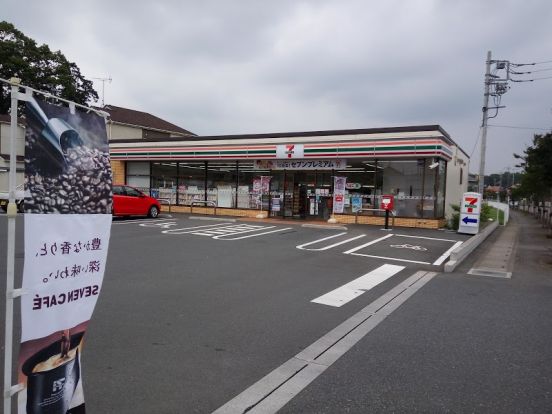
{"points": [[302, 246], [346, 293], [140, 221], [251, 235], [387, 258], [185, 230], [362, 246], [427, 238], [446, 254], [162, 224]]}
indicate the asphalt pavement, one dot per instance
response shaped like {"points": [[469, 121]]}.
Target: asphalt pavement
{"points": [[195, 313]]}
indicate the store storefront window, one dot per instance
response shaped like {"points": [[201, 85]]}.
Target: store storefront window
{"points": [[164, 181], [405, 180], [221, 183], [418, 186], [138, 175], [360, 185], [191, 182], [249, 186]]}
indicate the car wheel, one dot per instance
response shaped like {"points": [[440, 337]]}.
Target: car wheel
{"points": [[21, 207], [153, 212]]}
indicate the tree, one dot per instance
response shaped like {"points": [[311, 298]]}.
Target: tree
{"points": [[536, 183], [40, 68]]}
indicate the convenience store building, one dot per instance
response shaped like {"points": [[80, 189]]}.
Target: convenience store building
{"points": [[290, 175]]}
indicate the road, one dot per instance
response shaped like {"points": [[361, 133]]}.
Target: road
{"points": [[200, 315]]}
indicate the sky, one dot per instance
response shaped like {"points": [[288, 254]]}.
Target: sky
{"points": [[247, 66]]}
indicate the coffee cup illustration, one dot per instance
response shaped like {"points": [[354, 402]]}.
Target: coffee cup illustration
{"points": [[52, 376]]}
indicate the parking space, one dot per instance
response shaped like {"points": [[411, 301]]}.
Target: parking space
{"points": [[404, 248]]}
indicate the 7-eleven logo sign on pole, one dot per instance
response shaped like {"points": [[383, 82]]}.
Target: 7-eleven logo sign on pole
{"points": [[470, 209], [471, 203]]}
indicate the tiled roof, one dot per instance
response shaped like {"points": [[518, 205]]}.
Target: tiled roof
{"points": [[143, 119], [6, 118]]}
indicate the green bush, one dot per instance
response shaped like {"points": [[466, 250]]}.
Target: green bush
{"points": [[488, 213], [455, 218]]}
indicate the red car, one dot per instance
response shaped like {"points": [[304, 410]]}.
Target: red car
{"points": [[129, 201]]}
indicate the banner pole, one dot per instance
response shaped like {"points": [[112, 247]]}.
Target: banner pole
{"points": [[10, 262]]}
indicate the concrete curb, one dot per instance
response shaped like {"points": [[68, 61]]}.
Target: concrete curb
{"points": [[458, 255]]}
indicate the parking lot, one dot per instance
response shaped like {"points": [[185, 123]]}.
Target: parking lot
{"points": [[197, 314]]}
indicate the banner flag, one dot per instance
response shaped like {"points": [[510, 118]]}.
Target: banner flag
{"points": [[339, 194], [67, 229]]}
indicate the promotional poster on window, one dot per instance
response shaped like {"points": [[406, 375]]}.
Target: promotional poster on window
{"points": [[67, 229]]}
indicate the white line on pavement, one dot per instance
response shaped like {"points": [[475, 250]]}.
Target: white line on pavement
{"points": [[368, 244], [387, 258], [212, 218], [223, 237], [141, 221], [302, 246], [184, 230], [276, 389], [427, 238], [346, 293], [446, 254]]}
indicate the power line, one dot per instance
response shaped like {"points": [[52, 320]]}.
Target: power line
{"points": [[530, 80], [520, 127], [513, 72], [530, 64], [476, 142]]}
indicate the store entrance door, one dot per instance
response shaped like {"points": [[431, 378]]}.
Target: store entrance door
{"points": [[301, 195]]}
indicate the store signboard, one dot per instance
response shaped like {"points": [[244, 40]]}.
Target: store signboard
{"points": [[66, 237], [339, 194], [470, 210], [336, 164]]}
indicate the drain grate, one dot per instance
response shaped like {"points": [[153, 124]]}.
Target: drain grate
{"points": [[490, 272]]}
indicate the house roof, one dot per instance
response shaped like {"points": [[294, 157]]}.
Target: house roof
{"points": [[143, 119], [493, 188], [6, 119]]}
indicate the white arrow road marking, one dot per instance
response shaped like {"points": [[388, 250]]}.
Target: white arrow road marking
{"points": [[346, 293]]}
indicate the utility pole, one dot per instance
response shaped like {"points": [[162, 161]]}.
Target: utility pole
{"points": [[484, 123]]}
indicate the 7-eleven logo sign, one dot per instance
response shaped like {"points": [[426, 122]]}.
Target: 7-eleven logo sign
{"points": [[470, 204], [290, 151]]}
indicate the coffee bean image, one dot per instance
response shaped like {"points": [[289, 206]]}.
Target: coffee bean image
{"points": [[83, 186]]}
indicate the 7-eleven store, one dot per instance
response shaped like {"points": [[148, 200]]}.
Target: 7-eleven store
{"points": [[290, 175]]}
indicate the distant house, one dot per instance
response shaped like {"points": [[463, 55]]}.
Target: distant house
{"points": [[124, 123], [493, 189]]}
